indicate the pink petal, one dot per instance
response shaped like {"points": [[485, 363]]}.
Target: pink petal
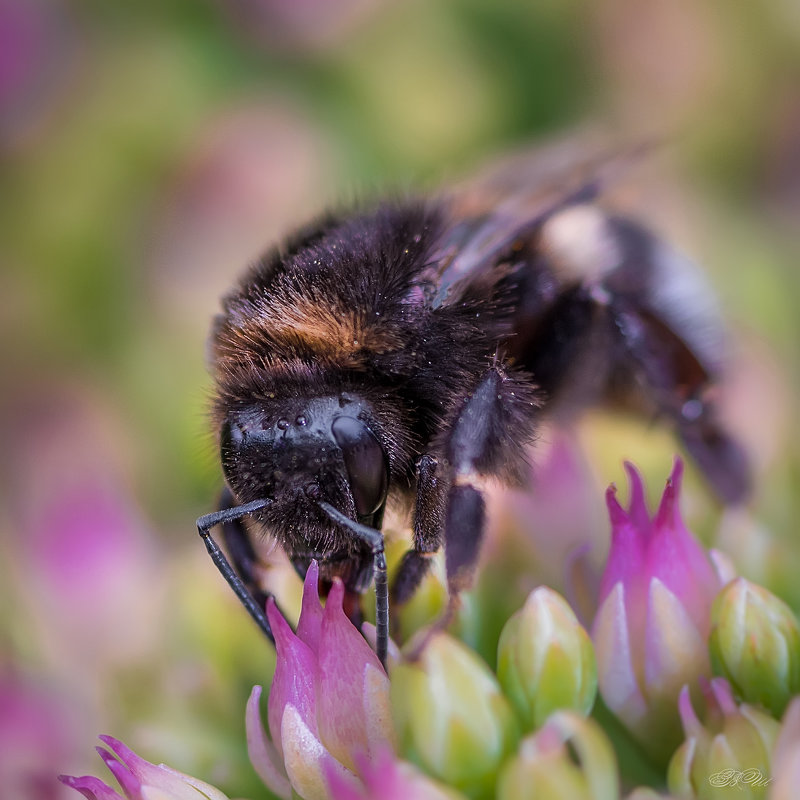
{"points": [[723, 694], [616, 674], [90, 787], [129, 784], [689, 719], [310, 621], [142, 770], [293, 682], [626, 560], [678, 560], [637, 508], [306, 759], [343, 659], [192, 786], [383, 778], [668, 512], [263, 755], [341, 786], [674, 651]]}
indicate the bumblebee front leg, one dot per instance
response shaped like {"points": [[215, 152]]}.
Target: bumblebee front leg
{"points": [[373, 538], [225, 516]]}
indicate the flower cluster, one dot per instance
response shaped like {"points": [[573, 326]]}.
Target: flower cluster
{"points": [[693, 666]]}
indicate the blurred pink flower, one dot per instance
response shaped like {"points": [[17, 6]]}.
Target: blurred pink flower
{"points": [[252, 172], [297, 25], [36, 731], [329, 700], [80, 546], [34, 56], [139, 779], [88, 553], [652, 624], [559, 513], [786, 755]]}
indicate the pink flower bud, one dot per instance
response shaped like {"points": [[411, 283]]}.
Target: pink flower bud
{"points": [[329, 700], [653, 618]]}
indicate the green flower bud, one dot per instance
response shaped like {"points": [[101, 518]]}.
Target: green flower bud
{"points": [[451, 717], [727, 757], [545, 660], [543, 767], [755, 644]]}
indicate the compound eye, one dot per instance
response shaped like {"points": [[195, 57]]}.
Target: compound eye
{"points": [[365, 463], [231, 439]]}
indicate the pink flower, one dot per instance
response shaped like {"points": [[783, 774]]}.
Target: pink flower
{"points": [[139, 779], [653, 619], [329, 700]]}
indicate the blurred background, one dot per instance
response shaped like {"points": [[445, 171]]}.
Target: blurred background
{"points": [[149, 150]]}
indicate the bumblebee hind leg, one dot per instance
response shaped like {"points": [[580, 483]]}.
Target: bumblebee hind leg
{"points": [[682, 390], [631, 323], [227, 516]]}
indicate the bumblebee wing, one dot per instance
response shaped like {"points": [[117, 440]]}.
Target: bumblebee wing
{"points": [[495, 213]]}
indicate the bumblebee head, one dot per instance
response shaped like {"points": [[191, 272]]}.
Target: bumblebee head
{"points": [[307, 449]]}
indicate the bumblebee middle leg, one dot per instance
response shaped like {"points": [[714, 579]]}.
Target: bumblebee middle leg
{"points": [[500, 411]]}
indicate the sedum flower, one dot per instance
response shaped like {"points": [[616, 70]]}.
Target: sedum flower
{"points": [[139, 779], [755, 644], [329, 700], [451, 715], [653, 619], [543, 767], [786, 756], [545, 659], [729, 756], [386, 778]]}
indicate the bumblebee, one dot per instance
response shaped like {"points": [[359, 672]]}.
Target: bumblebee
{"points": [[404, 351]]}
